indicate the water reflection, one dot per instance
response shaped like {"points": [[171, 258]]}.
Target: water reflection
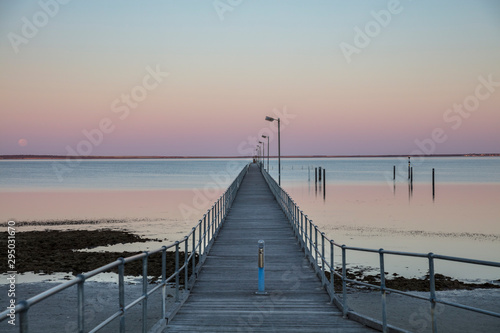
{"points": [[463, 222]]}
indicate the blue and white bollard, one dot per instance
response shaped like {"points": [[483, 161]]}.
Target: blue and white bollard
{"points": [[262, 274]]}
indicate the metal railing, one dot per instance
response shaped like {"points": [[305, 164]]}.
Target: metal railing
{"points": [[317, 247], [197, 242]]}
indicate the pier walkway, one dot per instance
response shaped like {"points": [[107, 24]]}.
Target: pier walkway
{"points": [[223, 298]]}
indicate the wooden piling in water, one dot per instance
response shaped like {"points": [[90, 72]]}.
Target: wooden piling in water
{"points": [[319, 173], [411, 179], [324, 182], [394, 172], [433, 184], [315, 175], [409, 164]]}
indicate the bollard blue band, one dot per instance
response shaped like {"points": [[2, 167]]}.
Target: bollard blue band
{"points": [[262, 287]]}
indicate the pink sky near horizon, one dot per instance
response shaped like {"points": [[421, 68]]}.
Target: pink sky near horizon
{"points": [[226, 76]]}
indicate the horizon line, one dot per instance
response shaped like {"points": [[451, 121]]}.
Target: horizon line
{"points": [[33, 156]]}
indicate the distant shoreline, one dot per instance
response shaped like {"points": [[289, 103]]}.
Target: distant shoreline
{"points": [[61, 157]]}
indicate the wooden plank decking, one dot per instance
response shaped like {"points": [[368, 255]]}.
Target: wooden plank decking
{"points": [[223, 298]]}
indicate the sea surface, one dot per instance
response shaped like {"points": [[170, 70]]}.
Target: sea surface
{"points": [[360, 204]]}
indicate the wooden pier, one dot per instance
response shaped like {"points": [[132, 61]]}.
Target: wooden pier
{"points": [[223, 298]]}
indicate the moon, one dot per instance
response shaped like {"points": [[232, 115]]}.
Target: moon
{"points": [[22, 142]]}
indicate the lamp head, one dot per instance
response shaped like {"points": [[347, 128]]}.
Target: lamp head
{"points": [[264, 136], [270, 118]]}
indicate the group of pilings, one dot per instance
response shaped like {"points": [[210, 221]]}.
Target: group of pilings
{"points": [[319, 176], [410, 178]]}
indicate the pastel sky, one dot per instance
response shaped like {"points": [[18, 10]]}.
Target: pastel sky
{"points": [[347, 77]]}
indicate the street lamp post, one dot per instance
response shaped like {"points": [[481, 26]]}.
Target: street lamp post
{"points": [[267, 136], [263, 152], [279, 147]]}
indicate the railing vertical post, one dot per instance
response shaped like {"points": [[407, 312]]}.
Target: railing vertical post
{"points": [[204, 233], [302, 229], [163, 282], [432, 281], [323, 258], [176, 271], [209, 226], [290, 210], [316, 246], [222, 206], [382, 290], [199, 238], [344, 287], [214, 219], [81, 308], [23, 318], [212, 223], [295, 214], [332, 270], [121, 293], [217, 214], [145, 292], [306, 240], [193, 252], [310, 239], [294, 221], [186, 264], [297, 220]]}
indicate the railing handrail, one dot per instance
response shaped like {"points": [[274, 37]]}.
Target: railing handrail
{"points": [[315, 252], [208, 227]]}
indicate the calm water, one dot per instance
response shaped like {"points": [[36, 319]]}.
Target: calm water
{"points": [[360, 205], [456, 170], [140, 174]]}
